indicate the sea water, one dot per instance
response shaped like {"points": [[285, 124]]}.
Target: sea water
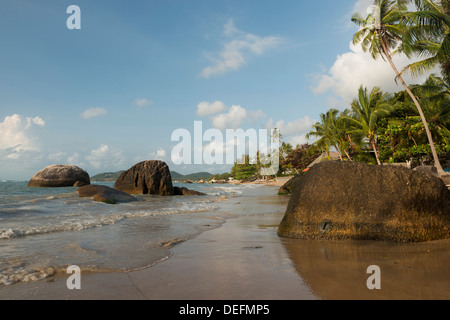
{"points": [[44, 230]]}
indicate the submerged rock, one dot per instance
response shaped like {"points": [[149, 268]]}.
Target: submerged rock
{"points": [[59, 175], [146, 177], [183, 191], [348, 200], [105, 194]]}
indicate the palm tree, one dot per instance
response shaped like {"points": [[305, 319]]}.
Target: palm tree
{"points": [[434, 88], [380, 33], [434, 95], [326, 130], [367, 110], [428, 35], [347, 140]]}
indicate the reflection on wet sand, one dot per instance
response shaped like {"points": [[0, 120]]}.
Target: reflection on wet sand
{"points": [[338, 269]]}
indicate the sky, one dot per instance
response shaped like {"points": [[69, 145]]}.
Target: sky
{"points": [[110, 94]]}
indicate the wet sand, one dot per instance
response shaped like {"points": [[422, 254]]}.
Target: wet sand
{"points": [[243, 259], [246, 260]]}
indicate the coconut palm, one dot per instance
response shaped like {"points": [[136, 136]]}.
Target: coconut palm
{"points": [[381, 34], [347, 139], [367, 109], [428, 36], [327, 132], [434, 95]]}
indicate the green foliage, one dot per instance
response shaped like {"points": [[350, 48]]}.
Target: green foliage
{"points": [[244, 170], [428, 36], [222, 176], [390, 28], [299, 158], [389, 125]]}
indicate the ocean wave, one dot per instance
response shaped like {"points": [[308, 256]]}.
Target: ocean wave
{"points": [[85, 221], [9, 277]]}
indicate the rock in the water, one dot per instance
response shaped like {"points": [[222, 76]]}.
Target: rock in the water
{"points": [[59, 175], [348, 200], [183, 191], [105, 194], [146, 177]]}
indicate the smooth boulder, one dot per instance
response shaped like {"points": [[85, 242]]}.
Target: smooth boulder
{"points": [[104, 194], [146, 177], [59, 175], [349, 200]]}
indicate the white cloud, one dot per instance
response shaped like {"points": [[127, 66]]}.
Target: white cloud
{"points": [[160, 154], [74, 159], [293, 132], [355, 68], [298, 126], [93, 112], [20, 146], [205, 108], [142, 102], [106, 157], [56, 156], [36, 120], [238, 49], [16, 134], [230, 120], [300, 139], [361, 7]]}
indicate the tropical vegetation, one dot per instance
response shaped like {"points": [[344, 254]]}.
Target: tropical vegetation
{"points": [[391, 28], [380, 127]]}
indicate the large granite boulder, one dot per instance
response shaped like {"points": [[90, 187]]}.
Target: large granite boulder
{"points": [[105, 194], [146, 177], [347, 200], [59, 175]]}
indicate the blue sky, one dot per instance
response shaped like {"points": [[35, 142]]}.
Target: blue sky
{"points": [[110, 94]]}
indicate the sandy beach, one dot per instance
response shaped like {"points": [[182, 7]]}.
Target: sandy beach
{"points": [[243, 259], [246, 260]]}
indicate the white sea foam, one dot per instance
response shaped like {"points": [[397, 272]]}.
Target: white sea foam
{"points": [[44, 229], [83, 221]]}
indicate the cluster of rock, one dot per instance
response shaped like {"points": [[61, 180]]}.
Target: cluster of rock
{"points": [[349, 200], [333, 200], [146, 177]]}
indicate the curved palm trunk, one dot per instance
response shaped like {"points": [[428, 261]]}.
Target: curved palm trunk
{"points": [[348, 156], [437, 164], [374, 147], [338, 152]]}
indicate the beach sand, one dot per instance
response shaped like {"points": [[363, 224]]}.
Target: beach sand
{"points": [[246, 260], [243, 259], [274, 182]]}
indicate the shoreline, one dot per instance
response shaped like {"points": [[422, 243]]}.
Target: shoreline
{"points": [[243, 259]]}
